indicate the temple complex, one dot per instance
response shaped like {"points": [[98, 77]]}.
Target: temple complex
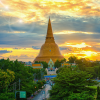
{"points": [[49, 49]]}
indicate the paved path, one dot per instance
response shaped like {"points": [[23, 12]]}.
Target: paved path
{"points": [[42, 95]]}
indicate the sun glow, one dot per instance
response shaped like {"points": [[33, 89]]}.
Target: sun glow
{"points": [[72, 32], [82, 45], [14, 53], [20, 21], [90, 53], [7, 7]]}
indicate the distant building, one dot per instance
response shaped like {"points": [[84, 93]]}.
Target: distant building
{"points": [[73, 65], [21, 62], [51, 70], [37, 66], [28, 63], [51, 65], [68, 64]]}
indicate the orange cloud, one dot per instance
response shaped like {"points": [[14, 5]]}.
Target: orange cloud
{"points": [[20, 52], [76, 49], [28, 11], [72, 32], [33, 10], [83, 54], [82, 45], [29, 54]]}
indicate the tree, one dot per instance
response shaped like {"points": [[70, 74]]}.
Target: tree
{"points": [[57, 64], [45, 64], [69, 82], [63, 60], [11, 72], [7, 96], [98, 93], [72, 59], [80, 96], [5, 79]]}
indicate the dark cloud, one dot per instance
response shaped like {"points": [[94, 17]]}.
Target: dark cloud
{"points": [[23, 56], [62, 48], [65, 48], [24, 40], [4, 51], [76, 24], [35, 33], [77, 38], [35, 47], [12, 24], [15, 48]]}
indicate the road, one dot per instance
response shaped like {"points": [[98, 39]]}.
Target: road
{"points": [[43, 94]]}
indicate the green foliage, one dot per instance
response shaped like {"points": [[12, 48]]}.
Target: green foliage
{"points": [[44, 71], [61, 69], [80, 96], [72, 59], [6, 77], [45, 64], [57, 64], [44, 82], [19, 69], [7, 96], [98, 93], [40, 84], [11, 72], [63, 60], [29, 87], [37, 73], [85, 64], [68, 83]]}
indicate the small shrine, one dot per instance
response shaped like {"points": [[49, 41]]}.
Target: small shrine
{"points": [[51, 65], [51, 70]]}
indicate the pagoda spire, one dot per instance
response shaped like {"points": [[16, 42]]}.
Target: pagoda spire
{"points": [[49, 49], [49, 30]]}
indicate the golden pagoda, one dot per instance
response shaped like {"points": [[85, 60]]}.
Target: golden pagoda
{"points": [[49, 49]]}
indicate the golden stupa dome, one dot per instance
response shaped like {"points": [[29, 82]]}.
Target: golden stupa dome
{"points": [[49, 49]]}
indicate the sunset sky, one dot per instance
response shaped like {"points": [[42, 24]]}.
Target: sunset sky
{"points": [[75, 24]]}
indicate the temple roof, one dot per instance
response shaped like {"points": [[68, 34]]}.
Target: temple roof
{"points": [[50, 62], [49, 30]]}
